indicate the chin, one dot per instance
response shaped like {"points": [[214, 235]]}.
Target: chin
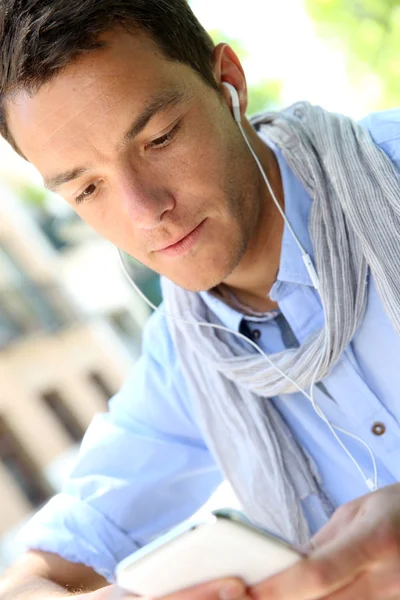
{"points": [[197, 285], [207, 270], [201, 281]]}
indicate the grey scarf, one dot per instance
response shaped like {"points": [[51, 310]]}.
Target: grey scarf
{"points": [[354, 226]]}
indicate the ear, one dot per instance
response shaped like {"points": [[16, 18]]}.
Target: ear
{"points": [[227, 67]]}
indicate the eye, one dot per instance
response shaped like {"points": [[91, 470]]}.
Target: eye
{"points": [[87, 193], [165, 139]]}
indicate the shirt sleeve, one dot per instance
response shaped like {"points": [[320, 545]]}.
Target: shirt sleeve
{"points": [[143, 467], [384, 127]]}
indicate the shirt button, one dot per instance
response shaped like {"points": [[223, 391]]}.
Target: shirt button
{"points": [[378, 428], [256, 334]]}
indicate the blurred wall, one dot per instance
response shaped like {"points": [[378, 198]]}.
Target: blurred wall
{"points": [[59, 362]]}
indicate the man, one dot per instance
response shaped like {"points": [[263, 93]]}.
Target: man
{"points": [[121, 106]]}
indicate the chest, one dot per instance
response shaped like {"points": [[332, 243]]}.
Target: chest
{"points": [[361, 395]]}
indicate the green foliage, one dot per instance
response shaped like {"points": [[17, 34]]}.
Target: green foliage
{"points": [[219, 36], [263, 95], [368, 31], [33, 195]]}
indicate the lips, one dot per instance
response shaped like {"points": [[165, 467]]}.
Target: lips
{"points": [[184, 244], [178, 240]]}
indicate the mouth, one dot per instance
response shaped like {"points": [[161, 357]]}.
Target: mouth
{"points": [[184, 244]]}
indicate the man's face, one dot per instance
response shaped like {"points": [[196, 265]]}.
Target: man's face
{"points": [[148, 155]]}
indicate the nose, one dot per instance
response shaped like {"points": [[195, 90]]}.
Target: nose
{"points": [[145, 201]]}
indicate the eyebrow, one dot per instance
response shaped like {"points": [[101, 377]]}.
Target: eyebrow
{"points": [[52, 183], [162, 101]]}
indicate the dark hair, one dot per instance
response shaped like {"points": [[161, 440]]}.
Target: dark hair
{"points": [[38, 38]]}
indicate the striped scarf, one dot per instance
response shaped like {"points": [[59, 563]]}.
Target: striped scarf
{"points": [[354, 227]]}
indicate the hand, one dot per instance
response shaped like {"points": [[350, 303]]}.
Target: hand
{"points": [[356, 556], [225, 589]]}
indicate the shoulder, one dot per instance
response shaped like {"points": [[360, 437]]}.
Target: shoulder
{"points": [[384, 127], [156, 336], [155, 392], [158, 352]]}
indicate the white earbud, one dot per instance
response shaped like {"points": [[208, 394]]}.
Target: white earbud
{"points": [[235, 101]]}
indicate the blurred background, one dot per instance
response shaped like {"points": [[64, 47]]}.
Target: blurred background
{"points": [[70, 325]]}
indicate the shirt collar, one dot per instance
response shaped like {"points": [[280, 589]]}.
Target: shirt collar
{"points": [[229, 316]]}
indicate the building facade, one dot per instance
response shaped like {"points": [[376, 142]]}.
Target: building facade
{"points": [[60, 361]]}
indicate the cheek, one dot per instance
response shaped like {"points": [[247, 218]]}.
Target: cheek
{"points": [[200, 167], [203, 142], [107, 219]]}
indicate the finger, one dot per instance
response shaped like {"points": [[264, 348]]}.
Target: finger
{"points": [[373, 585], [111, 592], [342, 518], [223, 589], [330, 568]]}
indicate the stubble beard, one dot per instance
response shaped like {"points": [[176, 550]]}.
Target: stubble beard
{"points": [[239, 207]]}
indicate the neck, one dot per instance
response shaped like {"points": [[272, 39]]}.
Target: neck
{"points": [[256, 273]]}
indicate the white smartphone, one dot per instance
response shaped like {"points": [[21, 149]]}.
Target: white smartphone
{"points": [[224, 544]]}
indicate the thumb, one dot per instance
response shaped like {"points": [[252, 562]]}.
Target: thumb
{"points": [[110, 592], [328, 568]]}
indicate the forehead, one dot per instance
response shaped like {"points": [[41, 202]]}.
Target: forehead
{"points": [[104, 85]]}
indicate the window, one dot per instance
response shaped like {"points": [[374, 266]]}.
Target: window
{"points": [[21, 468], [56, 403], [101, 385]]}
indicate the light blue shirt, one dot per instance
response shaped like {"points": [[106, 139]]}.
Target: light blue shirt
{"points": [[144, 466]]}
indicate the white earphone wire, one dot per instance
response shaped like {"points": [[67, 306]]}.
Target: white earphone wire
{"points": [[372, 483]]}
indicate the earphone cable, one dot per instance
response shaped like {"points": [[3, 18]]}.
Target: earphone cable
{"points": [[310, 397], [372, 484]]}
